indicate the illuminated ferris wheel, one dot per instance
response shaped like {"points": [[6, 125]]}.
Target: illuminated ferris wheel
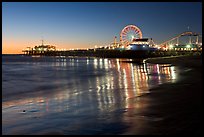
{"points": [[129, 33]]}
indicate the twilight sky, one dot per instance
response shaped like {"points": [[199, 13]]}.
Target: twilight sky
{"points": [[86, 24]]}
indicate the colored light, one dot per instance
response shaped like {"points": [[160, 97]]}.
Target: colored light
{"points": [[188, 46]]}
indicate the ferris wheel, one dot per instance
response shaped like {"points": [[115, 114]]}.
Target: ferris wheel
{"points": [[129, 33]]}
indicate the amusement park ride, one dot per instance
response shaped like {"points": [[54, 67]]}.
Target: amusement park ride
{"points": [[131, 39], [174, 43], [129, 33]]}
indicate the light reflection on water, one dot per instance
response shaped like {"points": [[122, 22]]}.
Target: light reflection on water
{"points": [[84, 91]]}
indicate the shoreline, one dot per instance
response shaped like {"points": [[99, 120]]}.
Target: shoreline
{"points": [[170, 108], [174, 108]]}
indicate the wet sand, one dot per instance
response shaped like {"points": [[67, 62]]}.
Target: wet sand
{"points": [[173, 108]]}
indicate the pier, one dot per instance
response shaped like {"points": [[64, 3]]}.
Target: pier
{"points": [[117, 53], [131, 45]]}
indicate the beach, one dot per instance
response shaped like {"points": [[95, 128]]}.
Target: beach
{"points": [[95, 96], [173, 108]]}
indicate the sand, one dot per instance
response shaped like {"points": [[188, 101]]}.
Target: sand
{"points": [[174, 108]]}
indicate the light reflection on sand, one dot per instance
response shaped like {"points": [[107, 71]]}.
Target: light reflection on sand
{"points": [[117, 88]]}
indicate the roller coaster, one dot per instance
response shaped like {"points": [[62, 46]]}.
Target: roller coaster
{"points": [[175, 40]]}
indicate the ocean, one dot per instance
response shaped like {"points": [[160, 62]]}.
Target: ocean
{"points": [[76, 95]]}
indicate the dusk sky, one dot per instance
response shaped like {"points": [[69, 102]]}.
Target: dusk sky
{"points": [[86, 24]]}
